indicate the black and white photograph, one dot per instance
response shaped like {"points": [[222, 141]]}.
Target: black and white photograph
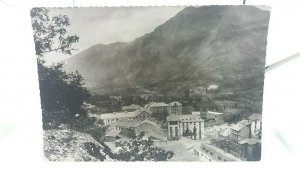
{"points": [[159, 83]]}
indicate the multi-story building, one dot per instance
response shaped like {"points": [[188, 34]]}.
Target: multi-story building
{"points": [[191, 126], [246, 150], [140, 114], [239, 132], [238, 141], [174, 108], [256, 125], [158, 110], [212, 118], [157, 107], [250, 149]]}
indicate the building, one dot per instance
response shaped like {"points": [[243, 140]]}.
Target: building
{"points": [[236, 139], [196, 113], [197, 91], [246, 150], [112, 135], [116, 97], [131, 107], [250, 149], [174, 108], [140, 114], [212, 118], [212, 153], [212, 87], [224, 134], [190, 126], [256, 125], [158, 109], [214, 115], [132, 128], [239, 132]]}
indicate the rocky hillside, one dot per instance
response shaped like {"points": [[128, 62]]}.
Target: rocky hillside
{"points": [[66, 145], [199, 43]]}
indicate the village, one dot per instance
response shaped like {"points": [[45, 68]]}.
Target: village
{"points": [[192, 136]]}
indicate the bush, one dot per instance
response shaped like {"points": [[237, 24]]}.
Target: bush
{"points": [[141, 149]]}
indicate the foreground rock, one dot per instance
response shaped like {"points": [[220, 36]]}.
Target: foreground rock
{"points": [[68, 145]]}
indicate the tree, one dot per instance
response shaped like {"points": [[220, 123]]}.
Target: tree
{"points": [[187, 132], [141, 149], [62, 93], [194, 132], [50, 34]]}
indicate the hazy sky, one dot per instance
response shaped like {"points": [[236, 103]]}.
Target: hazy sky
{"points": [[108, 25]]}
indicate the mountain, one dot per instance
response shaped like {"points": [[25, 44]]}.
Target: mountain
{"points": [[199, 43]]}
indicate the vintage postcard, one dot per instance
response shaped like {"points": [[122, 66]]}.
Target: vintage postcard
{"points": [[178, 83]]}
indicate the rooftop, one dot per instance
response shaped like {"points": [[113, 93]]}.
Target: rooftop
{"points": [[131, 123], [216, 113], [220, 151], [212, 86], [175, 104], [225, 132], [190, 118], [255, 116], [113, 133], [156, 104], [184, 118], [131, 107], [197, 113], [173, 118], [250, 141], [119, 115], [244, 122], [124, 114], [237, 126]]}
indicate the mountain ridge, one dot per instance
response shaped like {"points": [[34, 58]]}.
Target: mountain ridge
{"points": [[197, 43]]}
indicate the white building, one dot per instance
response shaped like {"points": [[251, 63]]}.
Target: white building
{"points": [[214, 115], [190, 126], [196, 113], [213, 87]]}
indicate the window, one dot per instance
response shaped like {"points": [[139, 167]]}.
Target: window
{"points": [[173, 122], [219, 158], [176, 131], [171, 132]]}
